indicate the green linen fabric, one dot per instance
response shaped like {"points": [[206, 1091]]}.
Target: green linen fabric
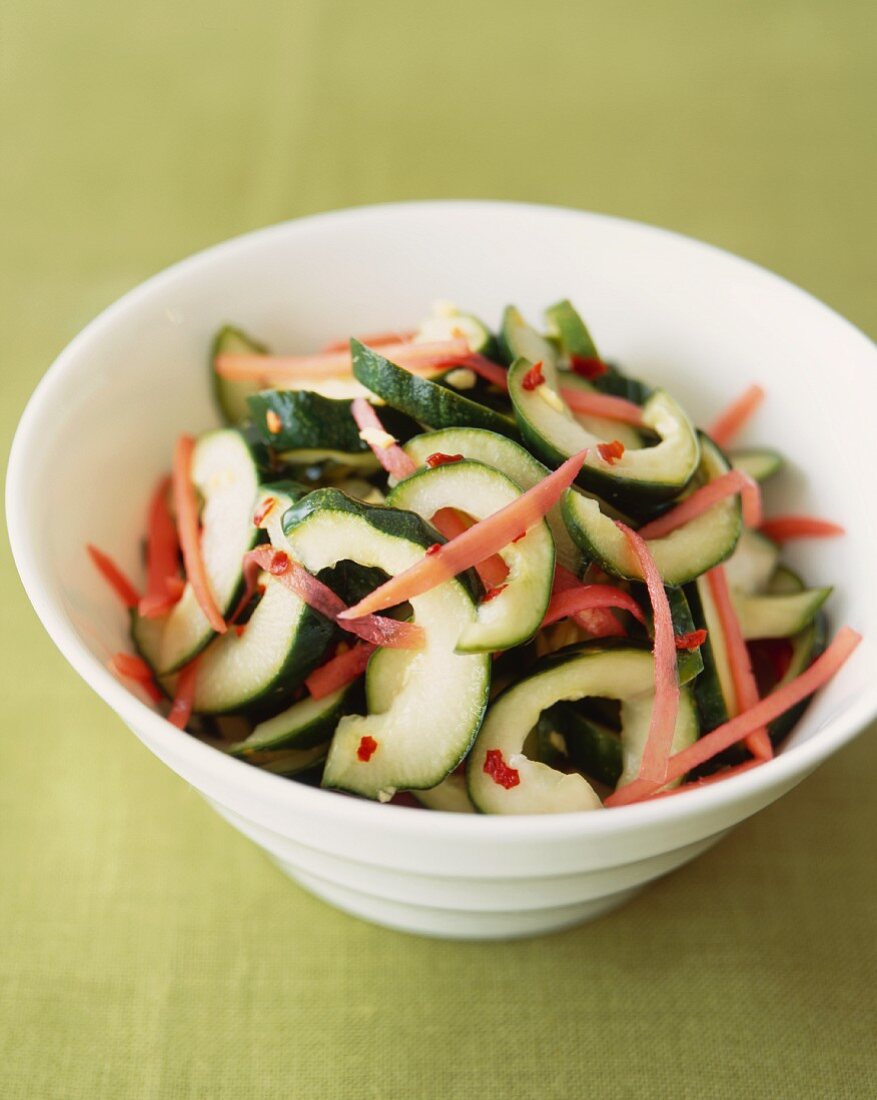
{"points": [[147, 950]]}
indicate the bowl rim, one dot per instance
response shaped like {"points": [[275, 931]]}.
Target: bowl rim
{"points": [[203, 760]]}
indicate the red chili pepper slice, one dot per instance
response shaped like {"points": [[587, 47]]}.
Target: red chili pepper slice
{"points": [[367, 748], [499, 771], [533, 377], [691, 640], [586, 367], [440, 459], [611, 452], [434, 549]]}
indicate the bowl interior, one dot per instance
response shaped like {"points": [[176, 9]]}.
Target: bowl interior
{"points": [[102, 425]]}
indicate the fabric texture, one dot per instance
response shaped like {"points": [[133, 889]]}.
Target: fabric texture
{"points": [[147, 950]]}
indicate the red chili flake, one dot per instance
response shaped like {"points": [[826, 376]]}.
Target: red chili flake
{"points": [[261, 514], [586, 367], [439, 459], [494, 592], [611, 452], [273, 421], [434, 549], [692, 640], [499, 771], [367, 748], [518, 538], [278, 564], [240, 628], [533, 377]]}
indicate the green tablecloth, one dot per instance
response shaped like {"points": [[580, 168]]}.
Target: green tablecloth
{"points": [[145, 949]]}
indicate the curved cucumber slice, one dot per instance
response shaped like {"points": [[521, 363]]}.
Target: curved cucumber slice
{"points": [[519, 340], [305, 724], [567, 327], [290, 762], [754, 561], [507, 456], [592, 748], [760, 463], [640, 476], [680, 556], [446, 322], [623, 673], [451, 796], [425, 706], [224, 473], [514, 615], [283, 640], [806, 647], [635, 717], [232, 396], [305, 427], [778, 616], [714, 687], [431, 404], [599, 426]]}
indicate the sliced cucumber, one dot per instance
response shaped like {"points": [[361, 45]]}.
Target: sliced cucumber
{"points": [[570, 331], [753, 563], [600, 426], [714, 687], [519, 340], [425, 401], [232, 396], [225, 475], [505, 455], [450, 796], [446, 322], [765, 610], [759, 462], [778, 616], [623, 673], [635, 717], [807, 646], [592, 748], [680, 556], [640, 476], [306, 427], [290, 762], [425, 706], [264, 666], [514, 615], [305, 724]]}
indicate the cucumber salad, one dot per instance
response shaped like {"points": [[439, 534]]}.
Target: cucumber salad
{"points": [[472, 571]]}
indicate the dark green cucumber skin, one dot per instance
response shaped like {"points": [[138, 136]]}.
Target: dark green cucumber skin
{"points": [[572, 332], [689, 661], [632, 497], [314, 636], [482, 393], [383, 517], [616, 384], [426, 402], [228, 395], [595, 751], [309, 421], [322, 728], [707, 687]]}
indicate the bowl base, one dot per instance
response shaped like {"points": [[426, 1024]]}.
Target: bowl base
{"points": [[454, 924]]}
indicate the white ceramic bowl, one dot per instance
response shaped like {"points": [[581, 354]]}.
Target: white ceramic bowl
{"points": [[102, 423]]}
